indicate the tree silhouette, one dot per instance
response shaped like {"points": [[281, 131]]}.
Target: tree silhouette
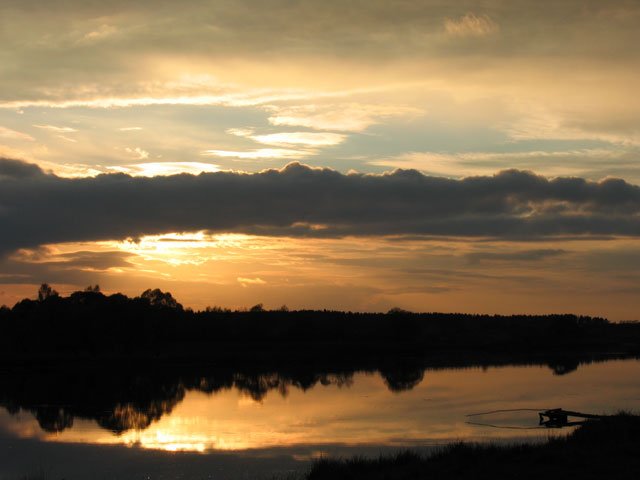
{"points": [[45, 292], [158, 298], [257, 308], [397, 311]]}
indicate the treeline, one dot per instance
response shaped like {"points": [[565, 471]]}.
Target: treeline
{"points": [[90, 323]]}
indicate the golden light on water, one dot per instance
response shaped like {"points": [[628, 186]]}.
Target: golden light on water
{"points": [[366, 412]]}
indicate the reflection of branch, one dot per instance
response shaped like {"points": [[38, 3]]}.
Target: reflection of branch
{"points": [[503, 426], [556, 418], [508, 410]]}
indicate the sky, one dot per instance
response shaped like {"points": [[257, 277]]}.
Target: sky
{"points": [[468, 156]]}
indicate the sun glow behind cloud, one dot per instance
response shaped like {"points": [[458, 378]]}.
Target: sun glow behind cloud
{"points": [[237, 271], [277, 153], [304, 138], [153, 169]]}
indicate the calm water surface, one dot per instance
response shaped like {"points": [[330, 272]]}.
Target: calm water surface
{"points": [[229, 434]]}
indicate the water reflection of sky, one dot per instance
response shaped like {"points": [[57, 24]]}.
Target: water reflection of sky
{"points": [[366, 412]]}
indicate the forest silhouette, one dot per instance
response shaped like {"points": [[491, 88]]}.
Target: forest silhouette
{"points": [[154, 325]]}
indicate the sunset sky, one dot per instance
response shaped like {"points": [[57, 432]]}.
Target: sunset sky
{"points": [[469, 156]]}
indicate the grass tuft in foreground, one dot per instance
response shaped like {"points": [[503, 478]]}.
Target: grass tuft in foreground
{"points": [[600, 449]]}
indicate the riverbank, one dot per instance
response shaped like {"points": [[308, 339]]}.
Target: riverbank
{"points": [[606, 448]]}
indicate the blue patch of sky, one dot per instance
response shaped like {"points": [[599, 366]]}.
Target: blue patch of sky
{"points": [[396, 139], [436, 137], [550, 145], [182, 132], [169, 132], [198, 116]]}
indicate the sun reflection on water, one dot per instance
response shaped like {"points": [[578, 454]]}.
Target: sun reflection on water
{"points": [[364, 412]]}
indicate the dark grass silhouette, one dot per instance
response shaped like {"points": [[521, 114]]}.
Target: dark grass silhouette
{"points": [[606, 448]]}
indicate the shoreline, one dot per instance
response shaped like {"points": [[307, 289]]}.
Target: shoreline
{"points": [[604, 448]]}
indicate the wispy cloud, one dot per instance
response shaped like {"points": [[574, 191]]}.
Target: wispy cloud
{"points": [[240, 132], [138, 152], [516, 256], [471, 25], [14, 135], [188, 93], [102, 32], [251, 281], [280, 153], [342, 117], [56, 129], [312, 139], [123, 101]]}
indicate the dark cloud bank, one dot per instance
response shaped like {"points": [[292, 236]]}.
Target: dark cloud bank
{"points": [[38, 208]]}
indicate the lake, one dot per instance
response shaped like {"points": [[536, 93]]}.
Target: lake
{"points": [[252, 427]]}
